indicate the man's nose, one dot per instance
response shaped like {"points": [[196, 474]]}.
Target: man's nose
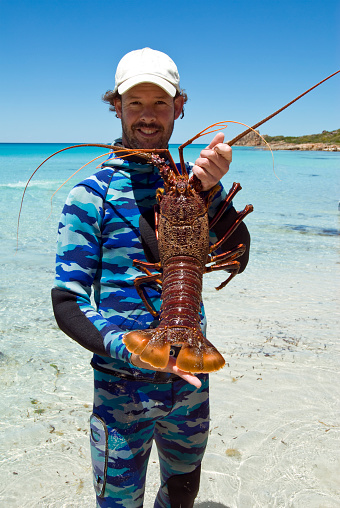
{"points": [[148, 114]]}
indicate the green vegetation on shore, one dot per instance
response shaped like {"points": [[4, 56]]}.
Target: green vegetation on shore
{"points": [[332, 138]]}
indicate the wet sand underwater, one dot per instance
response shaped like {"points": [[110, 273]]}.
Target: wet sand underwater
{"points": [[275, 423]]}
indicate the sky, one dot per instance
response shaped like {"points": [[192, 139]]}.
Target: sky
{"points": [[238, 60]]}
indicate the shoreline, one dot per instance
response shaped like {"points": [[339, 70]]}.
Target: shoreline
{"points": [[254, 140], [281, 145], [323, 147]]}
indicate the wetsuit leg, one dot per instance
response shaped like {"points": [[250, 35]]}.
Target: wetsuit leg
{"points": [[122, 428], [183, 488], [181, 439]]}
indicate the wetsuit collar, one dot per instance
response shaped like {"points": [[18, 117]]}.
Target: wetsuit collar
{"points": [[128, 163]]}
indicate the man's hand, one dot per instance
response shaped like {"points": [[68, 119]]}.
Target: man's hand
{"points": [[171, 367], [213, 162]]}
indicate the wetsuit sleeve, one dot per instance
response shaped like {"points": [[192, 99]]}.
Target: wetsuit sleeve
{"points": [[77, 262]]}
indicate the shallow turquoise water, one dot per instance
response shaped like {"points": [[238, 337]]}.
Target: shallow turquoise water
{"points": [[295, 220], [281, 316]]}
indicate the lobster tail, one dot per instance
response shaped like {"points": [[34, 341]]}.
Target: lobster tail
{"points": [[197, 354], [136, 341], [202, 357], [151, 346]]}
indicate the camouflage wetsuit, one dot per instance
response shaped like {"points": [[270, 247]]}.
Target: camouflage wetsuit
{"points": [[98, 240]]}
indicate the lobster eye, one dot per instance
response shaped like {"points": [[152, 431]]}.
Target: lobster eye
{"points": [[181, 186]]}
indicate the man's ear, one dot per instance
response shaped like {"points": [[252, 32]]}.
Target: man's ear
{"points": [[118, 107], [178, 103]]}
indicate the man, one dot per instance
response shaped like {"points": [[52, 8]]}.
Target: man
{"points": [[99, 237]]}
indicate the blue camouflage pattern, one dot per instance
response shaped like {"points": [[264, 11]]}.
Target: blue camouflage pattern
{"points": [[175, 415]]}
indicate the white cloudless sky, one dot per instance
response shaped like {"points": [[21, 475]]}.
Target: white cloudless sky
{"points": [[238, 60]]}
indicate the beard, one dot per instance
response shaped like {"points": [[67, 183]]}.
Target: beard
{"points": [[134, 138]]}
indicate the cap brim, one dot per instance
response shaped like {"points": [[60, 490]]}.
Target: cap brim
{"points": [[147, 78]]}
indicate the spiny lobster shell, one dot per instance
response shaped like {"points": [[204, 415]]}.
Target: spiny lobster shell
{"points": [[183, 244], [183, 225]]}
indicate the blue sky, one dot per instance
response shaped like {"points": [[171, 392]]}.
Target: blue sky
{"points": [[238, 60]]}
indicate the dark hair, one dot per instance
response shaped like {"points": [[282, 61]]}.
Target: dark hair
{"points": [[110, 97]]}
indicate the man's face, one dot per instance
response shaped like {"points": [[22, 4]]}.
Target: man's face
{"points": [[147, 113]]}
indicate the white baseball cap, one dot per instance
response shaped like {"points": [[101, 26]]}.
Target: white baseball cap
{"points": [[147, 66]]}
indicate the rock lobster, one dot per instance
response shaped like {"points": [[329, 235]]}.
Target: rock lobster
{"points": [[182, 230]]}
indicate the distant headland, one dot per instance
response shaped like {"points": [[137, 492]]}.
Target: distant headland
{"points": [[326, 141]]}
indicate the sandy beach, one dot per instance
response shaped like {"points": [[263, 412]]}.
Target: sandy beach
{"points": [[275, 423]]}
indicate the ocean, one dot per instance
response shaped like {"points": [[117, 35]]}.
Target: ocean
{"points": [[284, 308]]}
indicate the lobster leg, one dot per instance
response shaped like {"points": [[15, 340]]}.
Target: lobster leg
{"points": [[240, 216], [156, 277], [231, 266], [226, 260], [236, 187], [143, 265], [143, 280], [230, 255]]}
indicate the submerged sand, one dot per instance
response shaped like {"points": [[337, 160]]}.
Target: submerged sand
{"points": [[275, 420]]}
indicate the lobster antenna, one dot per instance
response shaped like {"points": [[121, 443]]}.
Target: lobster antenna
{"points": [[69, 178], [43, 162], [251, 129], [219, 125], [223, 125], [114, 148], [99, 156], [237, 138]]}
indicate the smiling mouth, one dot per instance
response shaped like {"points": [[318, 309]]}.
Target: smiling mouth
{"points": [[149, 130]]}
